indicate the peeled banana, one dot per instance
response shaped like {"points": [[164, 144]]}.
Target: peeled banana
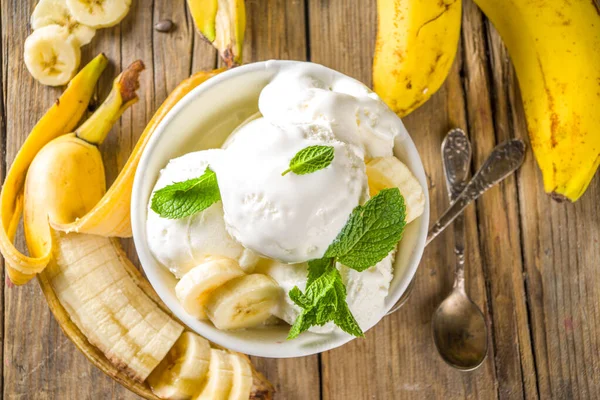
{"points": [[415, 47], [195, 287], [182, 372], [389, 172], [555, 48], [243, 302], [99, 13], [56, 12], [51, 55], [222, 23]]}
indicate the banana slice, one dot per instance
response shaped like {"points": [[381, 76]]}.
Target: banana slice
{"points": [[55, 12], [196, 285], [242, 377], [51, 55], [220, 377], [243, 302], [182, 372], [99, 13], [389, 172]]}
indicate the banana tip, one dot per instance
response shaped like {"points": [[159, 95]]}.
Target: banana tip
{"points": [[130, 80]]}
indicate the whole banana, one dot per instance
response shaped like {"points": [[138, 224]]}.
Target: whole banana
{"points": [[415, 48], [555, 48]]}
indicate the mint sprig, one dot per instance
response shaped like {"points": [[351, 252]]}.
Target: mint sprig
{"points": [[182, 199], [310, 159], [372, 231], [370, 234], [324, 300]]}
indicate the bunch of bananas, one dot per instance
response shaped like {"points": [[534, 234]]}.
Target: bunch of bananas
{"points": [[57, 182], [555, 48]]}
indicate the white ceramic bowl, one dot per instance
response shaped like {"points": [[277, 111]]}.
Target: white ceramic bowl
{"points": [[202, 120]]}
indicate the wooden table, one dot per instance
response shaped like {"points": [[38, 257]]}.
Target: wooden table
{"points": [[532, 264]]}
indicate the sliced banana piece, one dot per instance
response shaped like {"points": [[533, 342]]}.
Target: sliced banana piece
{"points": [[195, 286], [99, 13], [389, 172], [182, 372], [55, 12], [243, 302], [220, 377], [51, 55], [242, 377]]}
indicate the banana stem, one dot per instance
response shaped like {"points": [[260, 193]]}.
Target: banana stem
{"points": [[122, 95]]}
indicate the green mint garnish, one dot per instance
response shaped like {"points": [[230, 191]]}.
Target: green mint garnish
{"points": [[324, 300], [310, 159], [370, 234], [372, 231], [182, 199]]}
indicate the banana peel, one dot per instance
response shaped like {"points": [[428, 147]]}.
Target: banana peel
{"points": [[61, 118], [222, 23], [110, 217]]}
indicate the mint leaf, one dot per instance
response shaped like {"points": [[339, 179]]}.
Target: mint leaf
{"points": [[371, 232], [182, 199], [316, 268], [311, 159], [324, 300]]}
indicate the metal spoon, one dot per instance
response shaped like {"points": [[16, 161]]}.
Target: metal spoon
{"points": [[503, 161], [459, 328]]}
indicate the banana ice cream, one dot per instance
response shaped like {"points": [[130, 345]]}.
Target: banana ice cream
{"points": [[272, 221]]}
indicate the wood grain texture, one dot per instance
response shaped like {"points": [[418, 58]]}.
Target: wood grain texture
{"points": [[531, 262]]}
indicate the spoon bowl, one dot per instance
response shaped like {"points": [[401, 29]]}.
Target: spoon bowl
{"points": [[459, 331]]}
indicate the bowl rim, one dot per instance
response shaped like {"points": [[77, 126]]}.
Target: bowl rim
{"points": [[138, 219]]}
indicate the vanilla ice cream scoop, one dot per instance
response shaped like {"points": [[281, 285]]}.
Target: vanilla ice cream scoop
{"points": [[314, 95], [181, 244], [291, 218]]}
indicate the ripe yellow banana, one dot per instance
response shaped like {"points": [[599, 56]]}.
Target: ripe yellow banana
{"points": [[62, 117], [415, 48], [555, 48], [222, 23]]}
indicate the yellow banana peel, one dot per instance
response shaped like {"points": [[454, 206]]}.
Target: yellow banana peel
{"points": [[222, 23], [555, 48], [111, 215], [60, 119], [415, 47]]}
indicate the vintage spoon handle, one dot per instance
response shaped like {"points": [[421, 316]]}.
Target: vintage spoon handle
{"points": [[456, 158], [504, 160]]}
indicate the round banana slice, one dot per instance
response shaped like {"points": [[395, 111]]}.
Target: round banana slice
{"points": [[242, 377], [182, 372], [51, 55], [55, 12], [196, 285], [99, 13], [389, 172], [220, 377], [243, 302]]}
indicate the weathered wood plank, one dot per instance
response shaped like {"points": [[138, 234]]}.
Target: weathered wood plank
{"points": [[397, 359], [276, 29], [499, 230], [561, 252]]}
